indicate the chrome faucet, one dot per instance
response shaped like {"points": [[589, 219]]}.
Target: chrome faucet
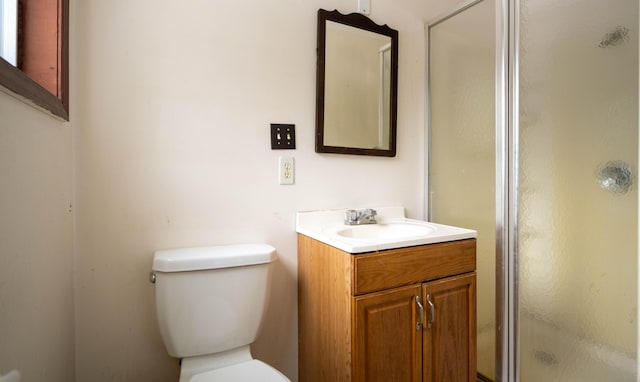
{"points": [[357, 217]]}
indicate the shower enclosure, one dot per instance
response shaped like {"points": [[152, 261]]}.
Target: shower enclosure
{"points": [[533, 142]]}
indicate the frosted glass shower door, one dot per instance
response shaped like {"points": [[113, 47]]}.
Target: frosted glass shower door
{"points": [[577, 190], [462, 147]]}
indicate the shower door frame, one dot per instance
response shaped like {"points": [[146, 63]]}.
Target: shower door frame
{"points": [[507, 357], [507, 129], [506, 156], [507, 204]]}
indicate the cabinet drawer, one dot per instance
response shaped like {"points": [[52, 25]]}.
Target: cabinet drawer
{"points": [[403, 266]]}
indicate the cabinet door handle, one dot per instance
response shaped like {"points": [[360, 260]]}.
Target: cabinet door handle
{"points": [[432, 311], [420, 313]]}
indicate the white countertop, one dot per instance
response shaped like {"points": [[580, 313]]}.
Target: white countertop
{"points": [[326, 225]]}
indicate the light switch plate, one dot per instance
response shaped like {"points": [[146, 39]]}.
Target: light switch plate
{"points": [[283, 136]]}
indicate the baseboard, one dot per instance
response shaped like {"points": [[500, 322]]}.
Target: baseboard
{"points": [[482, 378]]}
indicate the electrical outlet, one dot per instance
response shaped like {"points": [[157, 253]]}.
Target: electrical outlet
{"points": [[286, 170], [283, 136], [364, 7]]}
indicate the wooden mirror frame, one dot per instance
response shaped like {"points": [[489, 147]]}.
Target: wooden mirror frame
{"points": [[359, 21]]}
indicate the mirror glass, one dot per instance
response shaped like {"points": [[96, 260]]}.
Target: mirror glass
{"points": [[356, 85]]}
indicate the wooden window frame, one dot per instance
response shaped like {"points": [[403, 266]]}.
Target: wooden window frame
{"points": [[19, 83]]}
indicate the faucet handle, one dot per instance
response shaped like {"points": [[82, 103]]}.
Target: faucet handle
{"points": [[357, 217], [350, 216], [371, 215]]}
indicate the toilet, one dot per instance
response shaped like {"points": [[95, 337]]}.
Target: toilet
{"points": [[210, 302]]}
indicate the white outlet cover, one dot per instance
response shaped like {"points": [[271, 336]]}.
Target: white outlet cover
{"points": [[286, 170], [364, 6]]}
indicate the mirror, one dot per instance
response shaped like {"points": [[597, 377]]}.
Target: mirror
{"points": [[357, 80]]}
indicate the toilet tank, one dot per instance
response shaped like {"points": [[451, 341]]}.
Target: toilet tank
{"points": [[211, 299]]}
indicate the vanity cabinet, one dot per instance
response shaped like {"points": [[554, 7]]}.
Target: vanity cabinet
{"points": [[405, 314]]}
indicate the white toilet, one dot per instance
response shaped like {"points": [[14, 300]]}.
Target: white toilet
{"points": [[210, 302]]}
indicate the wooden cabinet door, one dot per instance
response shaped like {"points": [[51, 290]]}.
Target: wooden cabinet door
{"points": [[388, 344], [450, 329]]}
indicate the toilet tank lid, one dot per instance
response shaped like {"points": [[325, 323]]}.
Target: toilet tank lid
{"points": [[202, 258]]}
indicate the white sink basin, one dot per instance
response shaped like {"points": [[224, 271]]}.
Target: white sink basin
{"points": [[396, 230], [393, 230]]}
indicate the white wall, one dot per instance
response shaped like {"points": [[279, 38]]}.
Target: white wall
{"points": [[36, 244], [174, 104]]}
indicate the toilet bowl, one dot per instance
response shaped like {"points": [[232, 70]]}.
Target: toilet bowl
{"points": [[248, 371], [210, 302]]}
